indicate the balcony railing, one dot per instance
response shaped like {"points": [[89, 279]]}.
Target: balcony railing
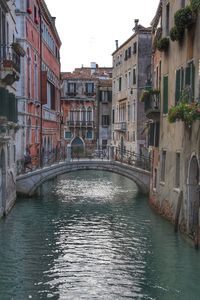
{"points": [[120, 126], [10, 59], [152, 107], [80, 123]]}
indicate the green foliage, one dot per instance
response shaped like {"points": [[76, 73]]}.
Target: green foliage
{"points": [[147, 93], [163, 44], [195, 5], [184, 18], [175, 34], [186, 112]]}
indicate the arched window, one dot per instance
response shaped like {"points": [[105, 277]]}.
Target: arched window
{"points": [[89, 114]]}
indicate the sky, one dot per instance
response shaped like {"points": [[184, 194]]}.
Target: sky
{"points": [[88, 28]]}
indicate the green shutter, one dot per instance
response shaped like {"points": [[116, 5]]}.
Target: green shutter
{"points": [[182, 78], [193, 81], [177, 92], [165, 94], [4, 103], [187, 76], [109, 96]]}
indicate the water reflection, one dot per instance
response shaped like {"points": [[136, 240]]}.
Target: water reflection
{"points": [[90, 235]]}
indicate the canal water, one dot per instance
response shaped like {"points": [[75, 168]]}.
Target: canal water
{"points": [[91, 235]]}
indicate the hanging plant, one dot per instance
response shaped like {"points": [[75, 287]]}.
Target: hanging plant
{"points": [[186, 112], [175, 34], [163, 44], [184, 18], [147, 93], [195, 5]]}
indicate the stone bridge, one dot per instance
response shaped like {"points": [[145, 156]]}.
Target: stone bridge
{"points": [[28, 183]]}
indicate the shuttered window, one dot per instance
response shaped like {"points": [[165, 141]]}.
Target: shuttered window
{"points": [[178, 86], [165, 94]]}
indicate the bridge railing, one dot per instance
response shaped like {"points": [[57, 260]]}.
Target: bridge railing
{"points": [[89, 152], [131, 158]]}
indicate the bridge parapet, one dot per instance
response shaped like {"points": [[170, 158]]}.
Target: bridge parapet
{"points": [[28, 183]]}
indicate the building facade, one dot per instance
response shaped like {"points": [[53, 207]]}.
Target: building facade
{"points": [[10, 56], [80, 106], [39, 86], [131, 71], [176, 189]]}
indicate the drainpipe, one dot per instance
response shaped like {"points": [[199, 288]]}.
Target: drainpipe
{"points": [[41, 111]]}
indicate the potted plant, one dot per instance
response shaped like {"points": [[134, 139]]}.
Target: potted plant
{"points": [[184, 18], [175, 34], [36, 21], [163, 44], [186, 112], [195, 5]]}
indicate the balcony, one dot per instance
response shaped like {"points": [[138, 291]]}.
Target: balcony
{"points": [[10, 63], [81, 124], [121, 126], [151, 99]]}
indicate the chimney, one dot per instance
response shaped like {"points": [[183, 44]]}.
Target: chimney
{"points": [[116, 42], [136, 25], [53, 20]]}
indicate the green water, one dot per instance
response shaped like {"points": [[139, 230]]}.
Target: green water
{"points": [[92, 236]]}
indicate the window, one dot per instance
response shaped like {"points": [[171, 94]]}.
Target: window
{"points": [[129, 79], [135, 48], [120, 83], [134, 111], [126, 54], [89, 114], [104, 144], [89, 134], [89, 87], [165, 94], [51, 94], [105, 96], [129, 112], [190, 81], [134, 76], [113, 116], [68, 135], [129, 52], [133, 136], [177, 178], [163, 165], [71, 88], [179, 84], [105, 120]]}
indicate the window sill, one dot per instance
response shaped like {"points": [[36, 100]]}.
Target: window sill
{"points": [[162, 183]]}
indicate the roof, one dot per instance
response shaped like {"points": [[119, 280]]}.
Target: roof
{"points": [[157, 16], [141, 29]]}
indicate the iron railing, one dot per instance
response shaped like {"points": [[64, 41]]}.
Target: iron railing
{"points": [[131, 158], [88, 152], [9, 58]]}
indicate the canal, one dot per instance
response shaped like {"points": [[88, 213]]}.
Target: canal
{"points": [[91, 235]]}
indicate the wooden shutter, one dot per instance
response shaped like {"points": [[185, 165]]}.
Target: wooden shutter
{"points": [[165, 94], [44, 87], [177, 90], [187, 76], [193, 81], [109, 96]]}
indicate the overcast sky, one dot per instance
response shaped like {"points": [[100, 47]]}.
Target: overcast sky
{"points": [[88, 28]]}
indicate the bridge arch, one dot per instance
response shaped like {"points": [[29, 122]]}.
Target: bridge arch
{"points": [[28, 183]]}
